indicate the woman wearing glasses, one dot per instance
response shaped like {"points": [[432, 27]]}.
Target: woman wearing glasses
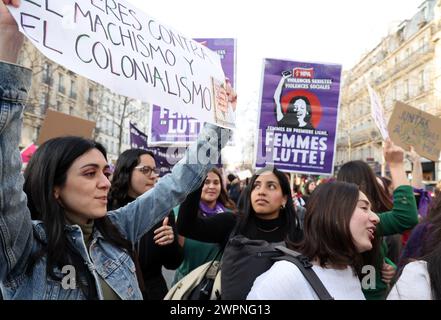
{"points": [[136, 173]]}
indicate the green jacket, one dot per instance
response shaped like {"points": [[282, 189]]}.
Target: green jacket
{"points": [[196, 253], [403, 216]]}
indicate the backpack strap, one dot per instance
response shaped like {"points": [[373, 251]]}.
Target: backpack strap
{"points": [[305, 267]]}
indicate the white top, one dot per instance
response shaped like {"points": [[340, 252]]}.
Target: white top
{"points": [[284, 281], [413, 284]]}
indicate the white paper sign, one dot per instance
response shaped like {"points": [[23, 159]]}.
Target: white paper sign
{"points": [[377, 112], [115, 44]]}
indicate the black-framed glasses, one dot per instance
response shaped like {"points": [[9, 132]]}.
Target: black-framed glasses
{"points": [[147, 170]]}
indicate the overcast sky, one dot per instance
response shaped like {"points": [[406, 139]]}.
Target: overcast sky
{"points": [[337, 31]]}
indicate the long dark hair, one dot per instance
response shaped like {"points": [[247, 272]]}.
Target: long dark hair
{"points": [[327, 235], [360, 173], [294, 233], [46, 170], [307, 192], [387, 183], [431, 250], [434, 269], [223, 196], [122, 175]]}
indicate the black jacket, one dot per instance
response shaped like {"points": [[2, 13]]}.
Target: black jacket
{"points": [[153, 257]]}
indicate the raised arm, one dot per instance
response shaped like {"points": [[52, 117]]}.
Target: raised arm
{"points": [[394, 156], [15, 221], [215, 229], [403, 215], [417, 169], [278, 95], [11, 39], [139, 216]]}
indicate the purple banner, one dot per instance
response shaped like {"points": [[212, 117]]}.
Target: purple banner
{"points": [[170, 127], [138, 139], [298, 116], [226, 49], [165, 157]]}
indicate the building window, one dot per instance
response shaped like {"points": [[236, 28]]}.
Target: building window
{"points": [[43, 101], [46, 75], [73, 90], [90, 97], [422, 81], [406, 89], [424, 16], [59, 105], [423, 44], [61, 87]]}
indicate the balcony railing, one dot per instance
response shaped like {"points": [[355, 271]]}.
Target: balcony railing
{"points": [[403, 64]]}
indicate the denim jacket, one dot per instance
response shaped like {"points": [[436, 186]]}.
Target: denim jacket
{"points": [[18, 232]]}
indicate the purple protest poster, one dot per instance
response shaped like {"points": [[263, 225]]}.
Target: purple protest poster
{"points": [[138, 139], [226, 49], [170, 127], [298, 116], [165, 157]]}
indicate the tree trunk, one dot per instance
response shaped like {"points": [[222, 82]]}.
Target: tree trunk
{"points": [[121, 124]]}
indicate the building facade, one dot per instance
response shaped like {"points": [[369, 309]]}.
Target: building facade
{"points": [[54, 87], [405, 66]]}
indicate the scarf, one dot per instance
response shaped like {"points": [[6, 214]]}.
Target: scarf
{"points": [[208, 212]]}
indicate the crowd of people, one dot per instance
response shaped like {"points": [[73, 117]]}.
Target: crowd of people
{"points": [[73, 228]]}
